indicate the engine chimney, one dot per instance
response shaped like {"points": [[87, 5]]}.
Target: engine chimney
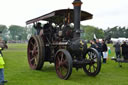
{"points": [[77, 16]]}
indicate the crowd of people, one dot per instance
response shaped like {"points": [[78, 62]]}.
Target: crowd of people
{"points": [[121, 47], [102, 48]]}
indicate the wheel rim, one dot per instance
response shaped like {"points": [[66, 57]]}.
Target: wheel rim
{"points": [[93, 66], [33, 53], [61, 65]]}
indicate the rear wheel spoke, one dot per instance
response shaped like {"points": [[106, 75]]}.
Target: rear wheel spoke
{"points": [[32, 44], [32, 59]]}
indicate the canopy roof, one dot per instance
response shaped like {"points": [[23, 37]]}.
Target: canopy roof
{"points": [[58, 16]]}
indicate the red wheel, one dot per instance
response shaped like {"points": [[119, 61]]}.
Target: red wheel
{"points": [[35, 52], [93, 66], [63, 64]]}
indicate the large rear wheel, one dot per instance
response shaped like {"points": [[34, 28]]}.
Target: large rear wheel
{"points": [[93, 65], [36, 52], [63, 64]]}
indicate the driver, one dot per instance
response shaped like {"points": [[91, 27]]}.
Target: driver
{"points": [[38, 27]]}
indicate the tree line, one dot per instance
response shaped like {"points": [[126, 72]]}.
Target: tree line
{"points": [[16, 32], [114, 32]]}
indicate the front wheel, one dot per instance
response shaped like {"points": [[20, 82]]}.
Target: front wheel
{"points": [[93, 65], [63, 64]]}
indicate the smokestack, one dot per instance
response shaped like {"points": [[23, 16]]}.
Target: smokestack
{"points": [[77, 16]]}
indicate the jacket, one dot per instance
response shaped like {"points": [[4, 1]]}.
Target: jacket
{"points": [[1, 61], [117, 47], [99, 47], [104, 47]]}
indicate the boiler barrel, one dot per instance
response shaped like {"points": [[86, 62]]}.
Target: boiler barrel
{"points": [[77, 17]]}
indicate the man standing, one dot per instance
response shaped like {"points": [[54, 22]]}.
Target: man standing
{"points": [[125, 50], [99, 47], [93, 44], [104, 50], [117, 49]]}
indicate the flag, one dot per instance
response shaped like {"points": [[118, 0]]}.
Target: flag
{"points": [[94, 36]]}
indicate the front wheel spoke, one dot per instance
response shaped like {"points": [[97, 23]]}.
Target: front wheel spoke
{"points": [[94, 56], [89, 68], [64, 62], [90, 55], [88, 62], [65, 69], [59, 69], [66, 66], [94, 68], [58, 59], [95, 61], [57, 66]]}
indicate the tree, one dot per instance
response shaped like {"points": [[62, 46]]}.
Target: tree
{"points": [[17, 32], [2, 28], [3, 32], [117, 32], [91, 30], [30, 31], [126, 33]]}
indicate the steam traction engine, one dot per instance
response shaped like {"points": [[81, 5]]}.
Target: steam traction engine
{"points": [[61, 44]]}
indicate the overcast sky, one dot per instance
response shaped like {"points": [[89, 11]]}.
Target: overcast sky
{"points": [[106, 13]]}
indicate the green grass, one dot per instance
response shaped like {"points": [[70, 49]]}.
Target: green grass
{"points": [[17, 71]]}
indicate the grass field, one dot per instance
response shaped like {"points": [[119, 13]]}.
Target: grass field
{"points": [[17, 71]]}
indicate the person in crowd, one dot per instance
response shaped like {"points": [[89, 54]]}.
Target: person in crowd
{"points": [[93, 44], [3, 45], [124, 50], [117, 49], [99, 47], [2, 81], [104, 51]]}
